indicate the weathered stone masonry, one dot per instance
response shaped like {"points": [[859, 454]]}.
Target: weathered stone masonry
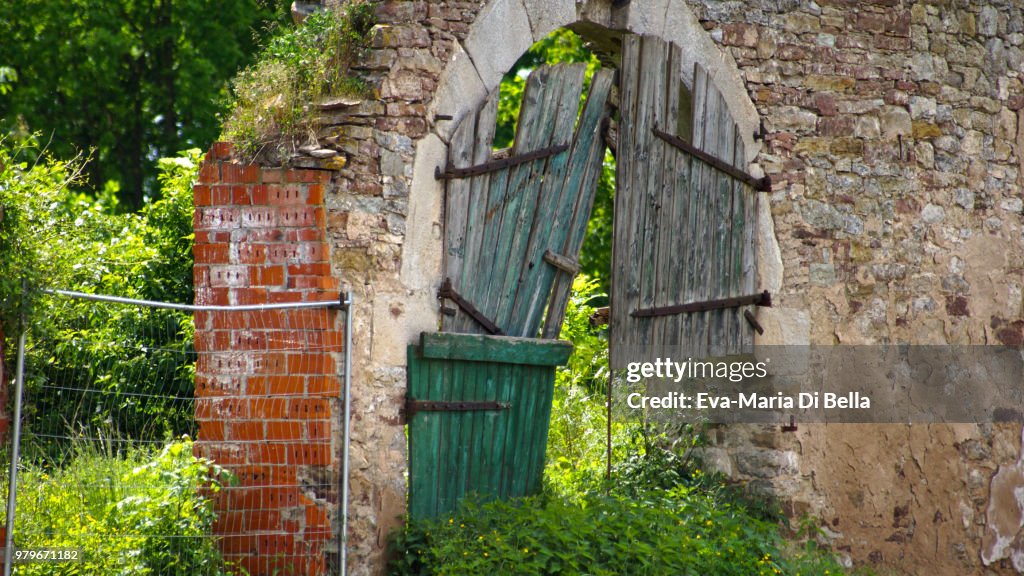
{"points": [[893, 135], [894, 140]]}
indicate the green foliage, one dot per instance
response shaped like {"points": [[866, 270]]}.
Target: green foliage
{"points": [[131, 81], [52, 237], [143, 511], [298, 68], [32, 214], [577, 436]]}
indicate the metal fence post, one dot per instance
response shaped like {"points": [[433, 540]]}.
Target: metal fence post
{"points": [[15, 442]]}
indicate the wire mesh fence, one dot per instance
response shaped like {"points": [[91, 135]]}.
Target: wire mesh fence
{"points": [[162, 439]]}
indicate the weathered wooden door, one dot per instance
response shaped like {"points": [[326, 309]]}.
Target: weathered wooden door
{"points": [[683, 261], [480, 393]]}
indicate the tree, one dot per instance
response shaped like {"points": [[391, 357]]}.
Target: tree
{"points": [[129, 80]]}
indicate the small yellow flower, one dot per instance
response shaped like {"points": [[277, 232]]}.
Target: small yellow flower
{"points": [[480, 538], [526, 550], [486, 554], [462, 525], [451, 520], [709, 523], [698, 536]]}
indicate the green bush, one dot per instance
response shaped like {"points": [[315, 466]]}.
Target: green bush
{"points": [[143, 511], [271, 99], [125, 371]]}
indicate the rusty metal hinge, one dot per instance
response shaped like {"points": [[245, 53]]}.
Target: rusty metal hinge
{"points": [[762, 299], [413, 406], [759, 184], [495, 165], [449, 292]]}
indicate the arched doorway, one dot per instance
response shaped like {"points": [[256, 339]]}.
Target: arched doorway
{"points": [[685, 264]]}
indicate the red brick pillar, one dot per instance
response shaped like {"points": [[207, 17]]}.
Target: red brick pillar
{"points": [[268, 383]]}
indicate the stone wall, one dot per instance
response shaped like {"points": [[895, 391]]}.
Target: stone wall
{"points": [[893, 136]]}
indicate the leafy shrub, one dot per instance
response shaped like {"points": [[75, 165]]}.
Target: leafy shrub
{"points": [[272, 98], [144, 511], [140, 359], [682, 531]]}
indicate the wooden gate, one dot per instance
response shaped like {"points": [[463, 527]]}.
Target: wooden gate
{"points": [[480, 393], [683, 260]]}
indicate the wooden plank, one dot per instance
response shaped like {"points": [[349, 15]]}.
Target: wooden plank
{"points": [[513, 431], [581, 181], [484, 348], [457, 200], [453, 481], [494, 429], [695, 323], [478, 202], [476, 389], [565, 264], [533, 132], [422, 465], [750, 200], [624, 296], [526, 301], [653, 77], [542, 415], [667, 257], [725, 140]]}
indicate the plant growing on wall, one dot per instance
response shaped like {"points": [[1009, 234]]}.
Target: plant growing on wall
{"points": [[272, 100]]}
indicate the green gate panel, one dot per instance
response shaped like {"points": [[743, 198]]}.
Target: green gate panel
{"points": [[496, 453]]}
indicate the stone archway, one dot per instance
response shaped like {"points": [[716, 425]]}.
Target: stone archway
{"points": [[500, 34]]}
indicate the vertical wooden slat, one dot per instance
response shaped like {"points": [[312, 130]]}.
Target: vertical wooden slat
{"points": [[703, 114], [457, 202], [750, 200], [653, 78], [523, 296], [624, 293], [666, 290], [478, 201], [421, 436], [725, 138], [737, 324], [577, 200]]}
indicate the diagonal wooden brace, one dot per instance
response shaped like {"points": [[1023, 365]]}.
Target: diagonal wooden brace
{"points": [[449, 292]]}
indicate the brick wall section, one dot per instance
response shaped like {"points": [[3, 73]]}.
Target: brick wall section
{"points": [[268, 382]]}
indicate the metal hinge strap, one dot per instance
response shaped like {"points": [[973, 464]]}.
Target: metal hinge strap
{"points": [[762, 299], [414, 406], [495, 165], [759, 184], [449, 292]]}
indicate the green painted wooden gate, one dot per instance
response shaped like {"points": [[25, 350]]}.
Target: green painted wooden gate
{"points": [[479, 412], [479, 399]]}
